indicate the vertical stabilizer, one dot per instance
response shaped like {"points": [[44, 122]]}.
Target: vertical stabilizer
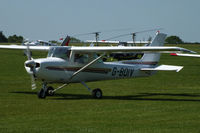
{"points": [[155, 57], [66, 41]]}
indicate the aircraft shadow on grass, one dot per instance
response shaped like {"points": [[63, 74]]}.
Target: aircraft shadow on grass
{"points": [[140, 96]]}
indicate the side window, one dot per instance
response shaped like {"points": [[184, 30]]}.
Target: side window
{"points": [[59, 52], [63, 53], [81, 58]]}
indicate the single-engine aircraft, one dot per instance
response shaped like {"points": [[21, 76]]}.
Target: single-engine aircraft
{"points": [[70, 64], [38, 43], [45, 43]]}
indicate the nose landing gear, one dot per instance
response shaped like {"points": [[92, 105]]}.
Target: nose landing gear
{"points": [[45, 91], [50, 91]]}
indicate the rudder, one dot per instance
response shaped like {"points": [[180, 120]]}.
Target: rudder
{"points": [[155, 57]]}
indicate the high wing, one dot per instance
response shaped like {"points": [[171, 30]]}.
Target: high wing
{"points": [[18, 47], [158, 49], [163, 68], [144, 49], [188, 55]]}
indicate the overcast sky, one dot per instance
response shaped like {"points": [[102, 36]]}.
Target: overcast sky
{"points": [[52, 19]]}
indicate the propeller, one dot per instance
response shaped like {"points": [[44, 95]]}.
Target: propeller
{"points": [[133, 34], [97, 33], [31, 64]]}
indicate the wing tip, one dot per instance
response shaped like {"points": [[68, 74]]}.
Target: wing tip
{"points": [[173, 54]]}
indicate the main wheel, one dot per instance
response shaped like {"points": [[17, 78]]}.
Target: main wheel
{"points": [[49, 91], [97, 93], [41, 94]]}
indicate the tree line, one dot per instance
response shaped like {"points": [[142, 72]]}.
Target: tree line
{"points": [[10, 39], [19, 39]]}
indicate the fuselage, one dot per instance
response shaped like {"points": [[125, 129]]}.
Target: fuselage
{"points": [[58, 70]]}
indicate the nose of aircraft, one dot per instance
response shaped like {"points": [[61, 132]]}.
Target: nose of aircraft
{"points": [[31, 65]]}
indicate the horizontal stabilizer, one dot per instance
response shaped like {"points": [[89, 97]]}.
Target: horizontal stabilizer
{"points": [[188, 55], [163, 68]]}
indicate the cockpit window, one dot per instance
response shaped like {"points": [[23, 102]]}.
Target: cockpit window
{"points": [[81, 58], [84, 58], [60, 52]]}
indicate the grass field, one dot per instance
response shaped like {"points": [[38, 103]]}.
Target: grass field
{"points": [[165, 102]]}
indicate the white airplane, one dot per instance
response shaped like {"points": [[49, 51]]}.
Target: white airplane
{"points": [[188, 55], [67, 65], [38, 43]]}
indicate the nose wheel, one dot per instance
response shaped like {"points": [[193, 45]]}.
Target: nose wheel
{"points": [[45, 91], [50, 91]]}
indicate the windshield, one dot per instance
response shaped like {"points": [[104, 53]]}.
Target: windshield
{"points": [[60, 52]]}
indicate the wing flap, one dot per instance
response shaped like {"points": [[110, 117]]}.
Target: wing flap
{"points": [[163, 68]]}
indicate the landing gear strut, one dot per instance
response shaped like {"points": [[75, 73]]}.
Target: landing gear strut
{"points": [[45, 91], [50, 91], [42, 94], [96, 93]]}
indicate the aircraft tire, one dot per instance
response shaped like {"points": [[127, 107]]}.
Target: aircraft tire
{"points": [[41, 94], [49, 91], [97, 93]]}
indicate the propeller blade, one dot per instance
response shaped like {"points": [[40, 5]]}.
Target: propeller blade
{"points": [[28, 53], [30, 63], [83, 34], [33, 84], [133, 33], [101, 31], [118, 36], [148, 30]]}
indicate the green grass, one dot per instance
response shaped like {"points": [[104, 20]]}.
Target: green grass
{"points": [[165, 102]]}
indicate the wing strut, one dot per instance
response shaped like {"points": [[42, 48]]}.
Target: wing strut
{"points": [[80, 70], [84, 67]]}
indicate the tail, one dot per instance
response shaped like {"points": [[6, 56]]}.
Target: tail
{"points": [[154, 58], [66, 41]]}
